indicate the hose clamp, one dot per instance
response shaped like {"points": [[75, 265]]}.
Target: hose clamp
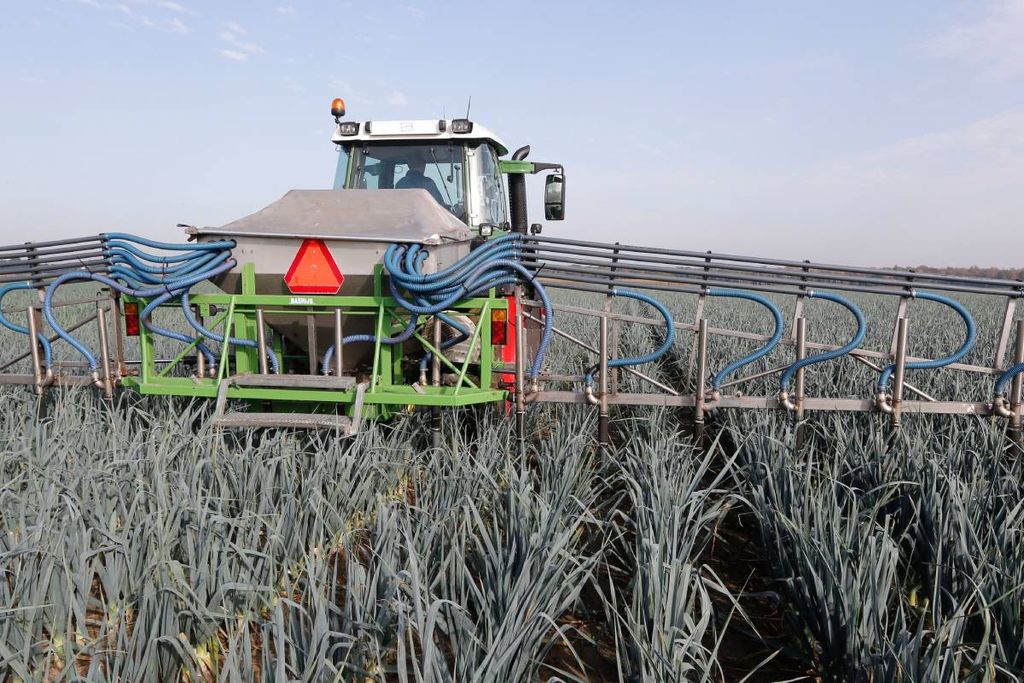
{"points": [[533, 393], [786, 401], [1000, 406]]}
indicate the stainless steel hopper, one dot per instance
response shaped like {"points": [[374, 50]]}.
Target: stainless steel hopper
{"points": [[357, 226]]}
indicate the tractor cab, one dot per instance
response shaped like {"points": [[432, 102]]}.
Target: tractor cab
{"points": [[457, 161], [459, 164], [460, 170]]}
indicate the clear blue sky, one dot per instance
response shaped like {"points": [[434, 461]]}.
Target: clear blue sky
{"points": [[872, 132]]}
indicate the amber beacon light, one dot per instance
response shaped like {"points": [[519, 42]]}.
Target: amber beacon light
{"points": [[338, 108]]}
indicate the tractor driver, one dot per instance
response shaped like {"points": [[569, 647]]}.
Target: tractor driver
{"points": [[415, 180]]}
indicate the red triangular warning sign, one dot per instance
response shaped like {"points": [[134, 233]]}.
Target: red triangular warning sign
{"points": [[314, 271]]}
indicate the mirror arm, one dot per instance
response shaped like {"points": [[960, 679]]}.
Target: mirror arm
{"points": [[538, 166]]}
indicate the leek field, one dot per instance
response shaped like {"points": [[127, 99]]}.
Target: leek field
{"points": [[138, 544]]}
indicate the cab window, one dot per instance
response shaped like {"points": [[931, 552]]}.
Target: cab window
{"points": [[436, 168], [341, 172], [489, 187]]}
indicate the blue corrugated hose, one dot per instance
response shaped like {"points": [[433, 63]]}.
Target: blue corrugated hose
{"points": [[858, 337], [493, 264], [168, 290], [1005, 378], [717, 380], [217, 337], [158, 277], [14, 327], [969, 339], [670, 334]]}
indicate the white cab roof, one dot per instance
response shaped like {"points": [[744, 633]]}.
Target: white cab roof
{"points": [[421, 129]]}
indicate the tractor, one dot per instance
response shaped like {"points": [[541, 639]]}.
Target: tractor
{"points": [[418, 282]]}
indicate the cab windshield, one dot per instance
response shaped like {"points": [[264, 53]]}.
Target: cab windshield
{"points": [[436, 168]]}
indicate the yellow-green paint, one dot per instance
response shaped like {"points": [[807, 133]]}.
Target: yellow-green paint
{"points": [[388, 392], [484, 322]]}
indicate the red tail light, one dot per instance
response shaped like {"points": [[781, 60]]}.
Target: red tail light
{"points": [[499, 327], [131, 319]]}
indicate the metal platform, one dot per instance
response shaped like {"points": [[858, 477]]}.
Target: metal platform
{"points": [[284, 421], [294, 381], [245, 420]]}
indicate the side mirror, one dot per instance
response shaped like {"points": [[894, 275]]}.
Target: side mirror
{"points": [[554, 197]]}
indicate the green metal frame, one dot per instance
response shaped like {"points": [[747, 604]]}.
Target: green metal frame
{"points": [[388, 391], [507, 166]]}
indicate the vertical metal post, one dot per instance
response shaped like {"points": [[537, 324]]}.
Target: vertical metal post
{"points": [[901, 367], [1016, 386], [901, 313], [435, 380], [612, 380], [702, 364], [115, 319], [435, 362], [603, 436], [798, 309], [200, 358], [613, 341], [311, 342], [798, 314], [1003, 338], [801, 353], [339, 365], [520, 370], [32, 258], [691, 364], [33, 340], [261, 342], [101, 321]]}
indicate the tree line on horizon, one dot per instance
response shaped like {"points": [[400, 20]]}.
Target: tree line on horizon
{"points": [[971, 271]]}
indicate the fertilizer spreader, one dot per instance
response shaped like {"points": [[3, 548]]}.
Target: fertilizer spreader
{"points": [[418, 282]]}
